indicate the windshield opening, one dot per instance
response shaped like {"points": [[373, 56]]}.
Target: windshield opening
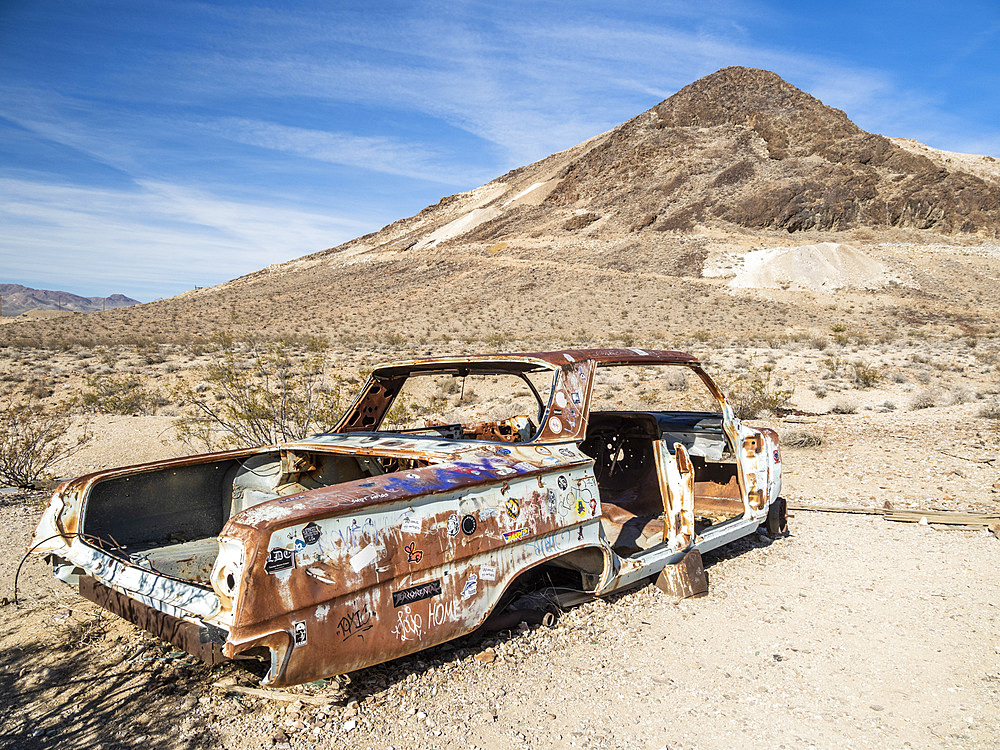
{"points": [[469, 405]]}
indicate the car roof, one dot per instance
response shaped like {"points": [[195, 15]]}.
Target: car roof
{"points": [[528, 361]]}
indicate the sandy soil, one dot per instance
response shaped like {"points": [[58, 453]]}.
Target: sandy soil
{"points": [[854, 631]]}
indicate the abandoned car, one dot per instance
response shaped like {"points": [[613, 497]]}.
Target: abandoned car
{"points": [[446, 481]]}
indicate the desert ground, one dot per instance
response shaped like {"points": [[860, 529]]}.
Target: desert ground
{"points": [[853, 631]]}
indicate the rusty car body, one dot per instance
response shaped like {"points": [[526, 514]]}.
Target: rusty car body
{"points": [[353, 547]]}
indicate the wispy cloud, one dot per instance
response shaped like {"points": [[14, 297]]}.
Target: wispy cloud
{"points": [[376, 153], [159, 239]]}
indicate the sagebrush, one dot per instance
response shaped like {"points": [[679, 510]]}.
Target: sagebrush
{"points": [[260, 393], [31, 441]]}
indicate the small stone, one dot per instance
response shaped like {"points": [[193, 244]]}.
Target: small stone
{"points": [[279, 736], [486, 657], [349, 725], [876, 707]]}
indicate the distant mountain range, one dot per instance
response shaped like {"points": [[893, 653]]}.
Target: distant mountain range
{"points": [[18, 299]]}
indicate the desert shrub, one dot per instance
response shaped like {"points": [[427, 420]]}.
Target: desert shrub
{"points": [[845, 405], [752, 393], [864, 375], [990, 410], [119, 394], [31, 440], [801, 439], [259, 393], [926, 399], [961, 395]]}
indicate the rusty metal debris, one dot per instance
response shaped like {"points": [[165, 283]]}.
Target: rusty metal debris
{"points": [[396, 532]]}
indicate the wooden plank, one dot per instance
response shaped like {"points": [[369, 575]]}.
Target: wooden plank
{"points": [[276, 695], [947, 517], [836, 509]]}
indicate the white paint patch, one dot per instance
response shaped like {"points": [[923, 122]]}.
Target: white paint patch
{"points": [[264, 513], [363, 559], [322, 611]]}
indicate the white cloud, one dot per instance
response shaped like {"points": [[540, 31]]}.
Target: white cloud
{"points": [[159, 237], [377, 153]]}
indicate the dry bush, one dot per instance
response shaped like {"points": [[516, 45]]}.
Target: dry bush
{"points": [[31, 440], [990, 410], [119, 394], [845, 405], [864, 375], [801, 439], [925, 399], [260, 393], [961, 394], [752, 393]]}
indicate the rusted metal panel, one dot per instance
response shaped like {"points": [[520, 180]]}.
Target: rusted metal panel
{"points": [[375, 565], [205, 643], [685, 579]]}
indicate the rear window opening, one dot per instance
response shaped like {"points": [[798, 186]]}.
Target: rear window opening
{"points": [[168, 520]]}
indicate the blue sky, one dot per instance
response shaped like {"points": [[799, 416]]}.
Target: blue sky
{"points": [[150, 147]]}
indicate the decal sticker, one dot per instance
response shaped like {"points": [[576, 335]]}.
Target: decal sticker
{"points": [[550, 500], [524, 466], [555, 424], [485, 513], [777, 457], [563, 484], [503, 451], [543, 451], [311, 532], [567, 504], [356, 623], [363, 559], [279, 559], [581, 508], [560, 399], [453, 524], [575, 396], [413, 555], [410, 526], [299, 633], [513, 508], [299, 545], [513, 536], [567, 452], [488, 572], [471, 584], [415, 594], [468, 524], [504, 471], [580, 537]]}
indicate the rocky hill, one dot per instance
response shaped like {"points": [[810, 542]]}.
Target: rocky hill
{"points": [[612, 237], [18, 299]]}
